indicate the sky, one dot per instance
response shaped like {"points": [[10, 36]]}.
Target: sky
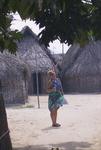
{"points": [[55, 47]]}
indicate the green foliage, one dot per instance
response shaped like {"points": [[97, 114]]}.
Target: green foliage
{"points": [[66, 20], [8, 38]]}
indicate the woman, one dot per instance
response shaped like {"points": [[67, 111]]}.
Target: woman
{"points": [[55, 96]]}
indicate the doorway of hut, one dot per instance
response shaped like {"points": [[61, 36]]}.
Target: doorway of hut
{"points": [[34, 78]]}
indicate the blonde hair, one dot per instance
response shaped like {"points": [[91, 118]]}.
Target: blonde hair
{"points": [[51, 72]]}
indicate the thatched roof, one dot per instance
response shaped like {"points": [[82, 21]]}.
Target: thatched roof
{"points": [[11, 66], [58, 57], [84, 61], [34, 53]]}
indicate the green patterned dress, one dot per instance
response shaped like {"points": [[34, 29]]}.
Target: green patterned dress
{"points": [[56, 99]]}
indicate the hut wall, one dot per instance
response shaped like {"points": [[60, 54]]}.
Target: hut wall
{"points": [[30, 86], [78, 84], [44, 83], [42, 80], [14, 91], [33, 83]]}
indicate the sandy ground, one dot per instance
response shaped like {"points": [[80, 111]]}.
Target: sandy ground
{"points": [[80, 124]]}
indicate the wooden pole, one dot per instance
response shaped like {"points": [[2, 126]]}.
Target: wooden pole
{"points": [[5, 141], [37, 83], [37, 80]]}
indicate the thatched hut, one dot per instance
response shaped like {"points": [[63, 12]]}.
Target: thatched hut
{"points": [[37, 57], [81, 68], [13, 78]]}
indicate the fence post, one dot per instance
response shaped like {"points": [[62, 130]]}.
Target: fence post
{"points": [[5, 141]]}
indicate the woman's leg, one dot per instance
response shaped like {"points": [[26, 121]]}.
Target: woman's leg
{"points": [[53, 115]]}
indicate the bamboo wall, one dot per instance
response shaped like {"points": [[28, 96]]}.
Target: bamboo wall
{"points": [[86, 84], [14, 91]]}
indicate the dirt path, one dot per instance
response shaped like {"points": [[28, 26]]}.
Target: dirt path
{"points": [[80, 124]]}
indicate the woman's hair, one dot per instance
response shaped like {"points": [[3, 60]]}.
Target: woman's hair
{"points": [[50, 72]]}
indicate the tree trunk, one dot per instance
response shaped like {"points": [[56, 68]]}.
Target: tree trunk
{"points": [[5, 142]]}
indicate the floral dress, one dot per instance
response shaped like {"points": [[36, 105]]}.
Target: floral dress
{"points": [[56, 98]]}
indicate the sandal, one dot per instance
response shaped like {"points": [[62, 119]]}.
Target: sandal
{"points": [[56, 125]]}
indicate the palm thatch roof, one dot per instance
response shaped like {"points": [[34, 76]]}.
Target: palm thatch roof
{"points": [[58, 59], [11, 66], [34, 53], [69, 58], [81, 68], [84, 61]]}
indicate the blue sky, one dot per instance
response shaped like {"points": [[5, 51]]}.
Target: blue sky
{"points": [[17, 23]]}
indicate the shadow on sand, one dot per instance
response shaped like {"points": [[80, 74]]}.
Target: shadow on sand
{"points": [[50, 128], [61, 146]]}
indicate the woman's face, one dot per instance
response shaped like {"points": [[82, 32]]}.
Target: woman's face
{"points": [[52, 76]]}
